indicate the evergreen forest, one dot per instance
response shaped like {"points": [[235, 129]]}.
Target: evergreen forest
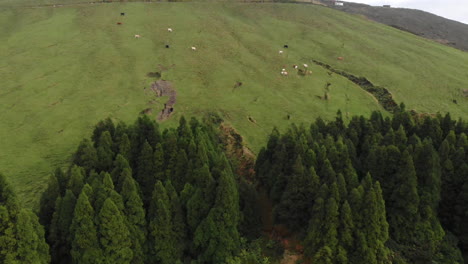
{"points": [[367, 190]]}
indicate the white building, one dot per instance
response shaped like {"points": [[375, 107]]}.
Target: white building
{"points": [[339, 3]]}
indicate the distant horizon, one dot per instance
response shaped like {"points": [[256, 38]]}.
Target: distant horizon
{"points": [[452, 9]]}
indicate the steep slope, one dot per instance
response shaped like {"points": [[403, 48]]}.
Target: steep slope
{"points": [[424, 24], [66, 68]]}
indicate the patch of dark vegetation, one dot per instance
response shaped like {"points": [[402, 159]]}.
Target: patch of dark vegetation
{"points": [[154, 74], [252, 120], [383, 96], [237, 85], [164, 88]]}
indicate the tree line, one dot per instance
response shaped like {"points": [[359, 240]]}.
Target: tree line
{"points": [[371, 190], [376, 190]]}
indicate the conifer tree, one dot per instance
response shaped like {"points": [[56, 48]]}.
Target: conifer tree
{"points": [[180, 171], [145, 174], [31, 246], [136, 220], [105, 152], [85, 248], [200, 202], [47, 202], [120, 164], [297, 198], [125, 147], [86, 155], [60, 229], [159, 163], [77, 180], [113, 234], [217, 237], [404, 201], [179, 227], [163, 247]]}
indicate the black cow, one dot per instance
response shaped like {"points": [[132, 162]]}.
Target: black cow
{"points": [[122, 14], [167, 46], [286, 46]]}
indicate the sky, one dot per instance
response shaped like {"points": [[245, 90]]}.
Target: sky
{"points": [[452, 9]]}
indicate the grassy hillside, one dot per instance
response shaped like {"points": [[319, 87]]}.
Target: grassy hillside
{"points": [[421, 23], [64, 69]]}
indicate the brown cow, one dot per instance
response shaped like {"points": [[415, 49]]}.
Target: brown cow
{"points": [[340, 58]]}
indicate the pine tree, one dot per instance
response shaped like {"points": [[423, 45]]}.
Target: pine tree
{"points": [[136, 219], [159, 163], [404, 201], [179, 226], [120, 164], [217, 237], [163, 247], [85, 247], [113, 234], [76, 181], [60, 229], [181, 169], [105, 151], [200, 202], [47, 203], [31, 245], [125, 147], [145, 174], [86, 156], [297, 198]]}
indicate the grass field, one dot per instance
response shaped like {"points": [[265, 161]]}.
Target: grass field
{"points": [[63, 69]]}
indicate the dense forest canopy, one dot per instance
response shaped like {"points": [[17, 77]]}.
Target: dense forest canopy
{"points": [[371, 190]]}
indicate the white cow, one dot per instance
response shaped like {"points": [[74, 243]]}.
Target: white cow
{"points": [[280, 52], [305, 65], [193, 48], [137, 36], [169, 29]]}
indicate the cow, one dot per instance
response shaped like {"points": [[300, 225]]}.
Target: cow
{"points": [[169, 29], [285, 46], [194, 49], [119, 23], [137, 36], [122, 14], [280, 52], [340, 58]]}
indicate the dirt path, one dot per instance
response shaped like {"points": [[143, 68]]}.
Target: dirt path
{"points": [[164, 88]]}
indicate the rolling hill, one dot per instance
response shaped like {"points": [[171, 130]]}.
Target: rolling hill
{"points": [[65, 68], [421, 23]]}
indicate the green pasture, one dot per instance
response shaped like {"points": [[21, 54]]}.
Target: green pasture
{"points": [[63, 69]]}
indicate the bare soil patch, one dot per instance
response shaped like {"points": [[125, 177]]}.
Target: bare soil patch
{"points": [[164, 88]]}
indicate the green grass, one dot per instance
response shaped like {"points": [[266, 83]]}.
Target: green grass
{"points": [[64, 69]]}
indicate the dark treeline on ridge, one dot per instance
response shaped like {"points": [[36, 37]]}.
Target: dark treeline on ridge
{"points": [[371, 190]]}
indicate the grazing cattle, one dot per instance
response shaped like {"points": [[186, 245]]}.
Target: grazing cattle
{"points": [[340, 58], [285, 46], [169, 29], [122, 14], [137, 36], [295, 66], [167, 46], [284, 73], [119, 23], [193, 48], [305, 65], [280, 52]]}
